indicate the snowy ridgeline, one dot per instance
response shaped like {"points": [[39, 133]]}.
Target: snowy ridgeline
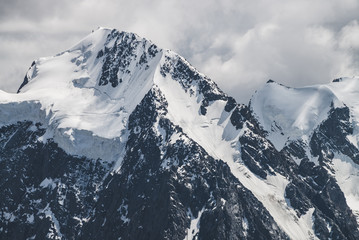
{"points": [[294, 114], [84, 97]]}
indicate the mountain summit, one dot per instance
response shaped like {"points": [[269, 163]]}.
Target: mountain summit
{"points": [[117, 138]]}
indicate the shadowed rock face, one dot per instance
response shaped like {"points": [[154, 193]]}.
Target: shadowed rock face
{"points": [[168, 186], [160, 184], [43, 188], [119, 57], [150, 198], [319, 187]]}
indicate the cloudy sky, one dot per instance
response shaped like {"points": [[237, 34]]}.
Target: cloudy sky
{"points": [[240, 44]]}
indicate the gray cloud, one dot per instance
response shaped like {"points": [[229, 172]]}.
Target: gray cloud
{"points": [[240, 44]]}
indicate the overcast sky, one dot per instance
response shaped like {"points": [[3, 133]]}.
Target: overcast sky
{"points": [[240, 44]]}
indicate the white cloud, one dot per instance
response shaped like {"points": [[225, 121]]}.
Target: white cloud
{"points": [[239, 44], [349, 36]]}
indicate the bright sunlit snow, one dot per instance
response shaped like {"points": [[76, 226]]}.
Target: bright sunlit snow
{"points": [[63, 94], [219, 138], [293, 113], [91, 120]]}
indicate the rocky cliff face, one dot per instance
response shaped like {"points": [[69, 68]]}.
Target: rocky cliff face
{"points": [[116, 138]]}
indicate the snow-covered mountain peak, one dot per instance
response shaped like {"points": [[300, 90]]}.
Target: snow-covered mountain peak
{"points": [[104, 59], [271, 81], [290, 113], [90, 88], [293, 113], [347, 91], [147, 136], [94, 86]]}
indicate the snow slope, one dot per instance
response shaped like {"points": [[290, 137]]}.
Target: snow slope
{"points": [[347, 91], [90, 119], [294, 113], [347, 174], [291, 113], [216, 134], [63, 94]]}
